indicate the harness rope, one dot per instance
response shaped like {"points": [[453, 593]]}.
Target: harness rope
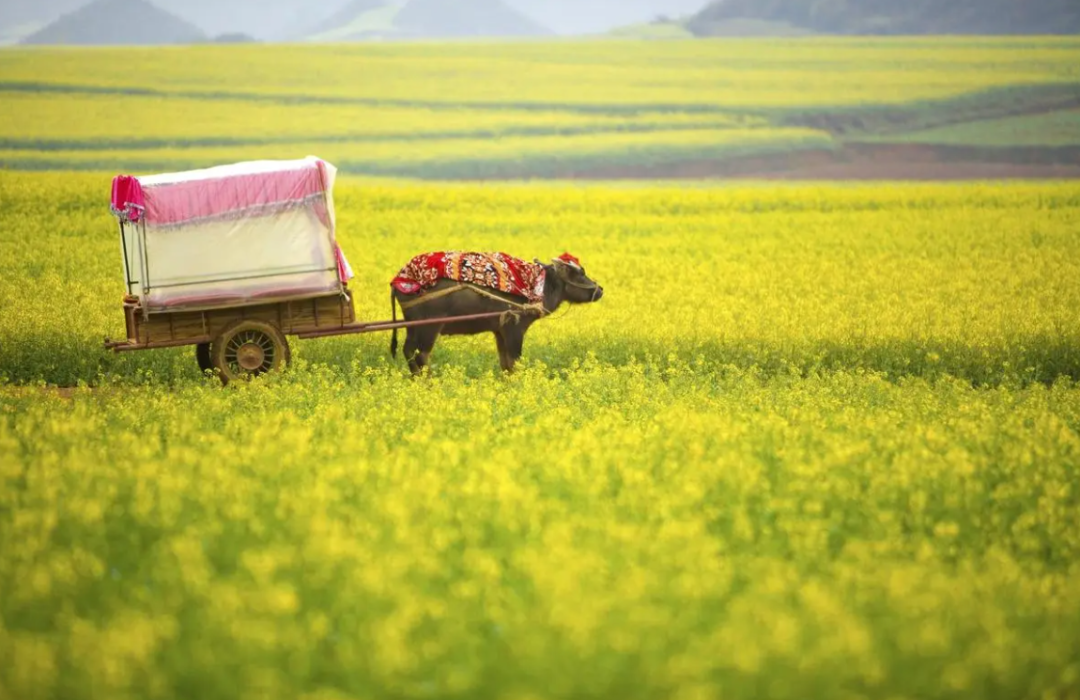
{"points": [[513, 313], [429, 296]]}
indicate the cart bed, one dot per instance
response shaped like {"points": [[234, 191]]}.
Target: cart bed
{"points": [[175, 328]]}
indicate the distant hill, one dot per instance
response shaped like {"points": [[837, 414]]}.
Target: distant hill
{"points": [[234, 38], [658, 29], [678, 29], [885, 17], [19, 19], [275, 20], [117, 22], [425, 19], [463, 18], [17, 13], [602, 16], [357, 19], [14, 33]]}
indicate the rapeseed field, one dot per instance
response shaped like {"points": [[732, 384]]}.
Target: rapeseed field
{"points": [[468, 156], [469, 111], [815, 441], [602, 74]]}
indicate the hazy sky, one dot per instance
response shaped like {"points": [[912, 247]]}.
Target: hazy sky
{"points": [[271, 19]]}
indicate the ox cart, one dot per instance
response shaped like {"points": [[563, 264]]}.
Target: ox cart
{"points": [[232, 260]]}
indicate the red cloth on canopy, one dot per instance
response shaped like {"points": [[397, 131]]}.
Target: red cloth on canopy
{"points": [[127, 198]]}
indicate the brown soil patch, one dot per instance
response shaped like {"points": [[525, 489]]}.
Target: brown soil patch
{"points": [[865, 162], [988, 105]]}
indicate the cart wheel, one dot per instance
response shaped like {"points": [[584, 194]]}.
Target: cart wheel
{"points": [[247, 349], [202, 356]]}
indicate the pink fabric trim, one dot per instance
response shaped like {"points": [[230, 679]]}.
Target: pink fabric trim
{"points": [[345, 272], [261, 193], [127, 198], [321, 209]]}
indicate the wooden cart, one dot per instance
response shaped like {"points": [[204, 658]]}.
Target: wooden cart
{"points": [[244, 341], [233, 260]]}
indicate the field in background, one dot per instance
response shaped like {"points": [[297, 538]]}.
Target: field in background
{"points": [[565, 109], [812, 437], [1058, 128]]}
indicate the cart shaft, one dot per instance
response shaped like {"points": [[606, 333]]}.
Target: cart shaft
{"points": [[353, 329]]}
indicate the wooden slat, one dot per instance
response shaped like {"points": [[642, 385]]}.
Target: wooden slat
{"points": [[191, 327]]}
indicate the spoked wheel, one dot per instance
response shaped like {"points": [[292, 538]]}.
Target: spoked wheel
{"points": [[202, 356], [247, 349]]}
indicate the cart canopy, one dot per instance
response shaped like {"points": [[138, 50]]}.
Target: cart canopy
{"points": [[230, 235]]}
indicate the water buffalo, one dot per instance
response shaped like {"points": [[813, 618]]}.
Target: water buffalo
{"points": [[564, 282]]}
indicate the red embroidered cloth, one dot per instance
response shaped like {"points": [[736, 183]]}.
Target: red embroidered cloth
{"points": [[498, 271]]}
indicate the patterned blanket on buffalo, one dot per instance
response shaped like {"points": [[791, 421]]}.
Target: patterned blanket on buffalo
{"points": [[498, 271]]}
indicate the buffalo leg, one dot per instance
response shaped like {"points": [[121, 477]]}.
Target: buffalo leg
{"points": [[411, 348], [504, 359], [513, 340], [418, 346]]}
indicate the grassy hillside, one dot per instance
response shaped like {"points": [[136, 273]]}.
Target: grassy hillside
{"points": [[465, 18], [418, 19], [359, 20], [889, 17]]}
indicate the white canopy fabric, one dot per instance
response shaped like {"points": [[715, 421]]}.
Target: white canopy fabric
{"points": [[235, 234]]}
